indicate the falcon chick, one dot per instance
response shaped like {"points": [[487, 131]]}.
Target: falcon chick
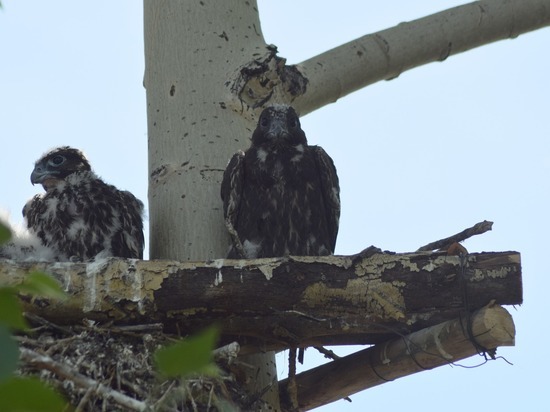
{"points": [[281, 197], [80, 216]]}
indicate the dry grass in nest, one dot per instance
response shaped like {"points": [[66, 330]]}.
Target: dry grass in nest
{"points": [[109, 368]]}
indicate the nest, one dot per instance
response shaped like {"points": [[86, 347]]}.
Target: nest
{"points": [[106, 368]]}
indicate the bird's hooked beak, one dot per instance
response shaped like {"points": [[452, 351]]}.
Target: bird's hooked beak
{"points": [[278, 129], [44, 176]]}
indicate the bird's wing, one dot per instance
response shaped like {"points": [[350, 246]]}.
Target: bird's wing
{"points": [[231, 192], [112, 220], [132, 242], [32, 209], [331, 191]]}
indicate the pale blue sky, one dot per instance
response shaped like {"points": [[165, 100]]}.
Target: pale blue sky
{"points": [[420, 157]]}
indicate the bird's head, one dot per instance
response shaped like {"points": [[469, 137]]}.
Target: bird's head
{"points": [[279, 126], [57, 164]]}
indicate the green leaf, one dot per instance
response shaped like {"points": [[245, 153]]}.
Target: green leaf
{"points": [[9, 355], [5, 233], [43, 285], [29, 395], [190, 356], [10, 310]]}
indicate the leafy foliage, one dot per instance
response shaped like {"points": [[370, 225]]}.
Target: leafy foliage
{"points": [[14, 391], [28, 394], [10, 310], [190, 356], [8, 355], [41, 284], [5, 233]]}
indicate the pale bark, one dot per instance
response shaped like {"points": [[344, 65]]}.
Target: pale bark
{"points": [[191, 48], [439, 345], [384, 55]]}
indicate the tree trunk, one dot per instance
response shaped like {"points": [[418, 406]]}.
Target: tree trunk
{"points": [[190, 49]]}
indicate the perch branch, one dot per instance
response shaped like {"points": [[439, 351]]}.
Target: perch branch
{"points": [[276, 303], [438, 345], [477, 229]]}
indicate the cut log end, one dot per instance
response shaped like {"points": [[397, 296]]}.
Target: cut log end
{"points": [[494, 326]]}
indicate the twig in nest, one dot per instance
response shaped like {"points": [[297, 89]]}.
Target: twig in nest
{"points": [[476, 229], [41, 321], [28, 341], [210, 398], [85, 399], [150, 327], [126, 330], [59, 343], [64, 371], [160, 401], [193, 403], [136, 389]]}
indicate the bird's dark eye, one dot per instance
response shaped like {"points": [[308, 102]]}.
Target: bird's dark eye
{"points": [[264, 122], [57, 160]]}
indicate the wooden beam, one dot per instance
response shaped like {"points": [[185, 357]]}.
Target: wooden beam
{"points": [[281, 302], [438, 345]]}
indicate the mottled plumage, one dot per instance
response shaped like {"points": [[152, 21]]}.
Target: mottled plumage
{"points": [[80, 216], [281, 197]]}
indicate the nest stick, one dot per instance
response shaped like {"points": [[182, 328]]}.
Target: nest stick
{"points": [[476, 229], [64, 371]]}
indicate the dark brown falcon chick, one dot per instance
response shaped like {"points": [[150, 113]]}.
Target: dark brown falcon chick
{"points": [[281, 197]]}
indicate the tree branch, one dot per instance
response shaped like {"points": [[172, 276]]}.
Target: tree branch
{"points": [[386, 54], [439, 345], [277, 303], [477, 229]]}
